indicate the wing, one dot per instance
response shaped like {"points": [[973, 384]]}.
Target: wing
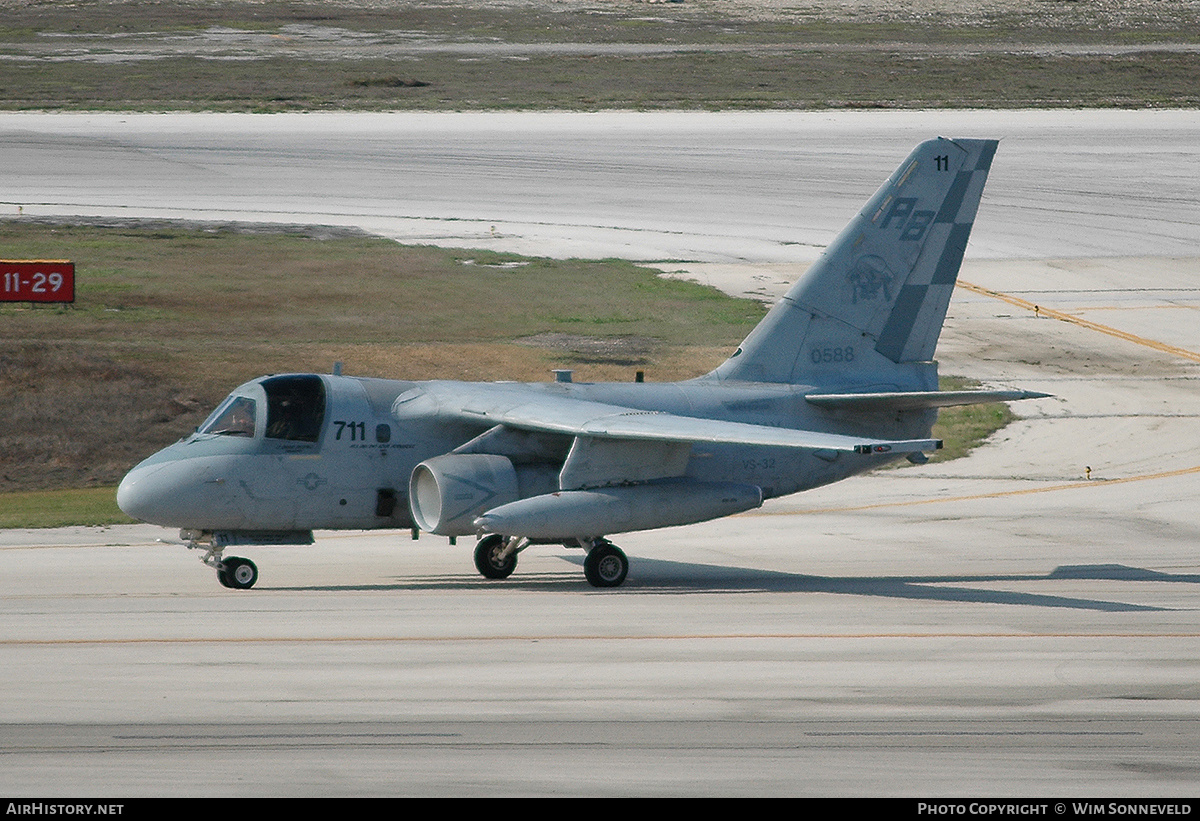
{"points": [[518, 407]]}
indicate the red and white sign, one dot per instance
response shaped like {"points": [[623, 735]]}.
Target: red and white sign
{"points": [[37, 280]]}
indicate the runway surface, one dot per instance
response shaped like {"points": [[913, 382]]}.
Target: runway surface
{"points": [[1022, 622], [715, 187]]}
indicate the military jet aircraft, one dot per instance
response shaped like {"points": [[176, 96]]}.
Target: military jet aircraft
{"points": [[837, 379]]}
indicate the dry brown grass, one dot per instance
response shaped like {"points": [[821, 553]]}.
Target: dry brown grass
{"points": [[69, 412]]}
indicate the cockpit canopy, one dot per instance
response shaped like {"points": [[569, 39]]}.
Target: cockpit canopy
{"points": [[294, 405], [235, 416]]}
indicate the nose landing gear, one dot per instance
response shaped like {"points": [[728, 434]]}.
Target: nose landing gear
{"points": [[234, 572]]}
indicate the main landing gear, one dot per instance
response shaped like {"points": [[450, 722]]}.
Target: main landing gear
{"points": [[605, 566], [237, 573], [496, 555]]}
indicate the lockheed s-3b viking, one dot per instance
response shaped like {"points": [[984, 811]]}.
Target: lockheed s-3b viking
{"points": [[837, 379]]}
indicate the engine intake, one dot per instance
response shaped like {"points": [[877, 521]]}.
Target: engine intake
{"points": [[447, 493]]}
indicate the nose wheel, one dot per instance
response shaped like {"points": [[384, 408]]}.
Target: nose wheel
{"points": [[233, 572]]}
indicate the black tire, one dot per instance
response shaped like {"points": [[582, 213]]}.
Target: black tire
{"points": [[605, 566], [487, 563], [239, 574]]}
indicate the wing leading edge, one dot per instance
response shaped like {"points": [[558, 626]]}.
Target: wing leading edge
{"points": [[514, 407]]}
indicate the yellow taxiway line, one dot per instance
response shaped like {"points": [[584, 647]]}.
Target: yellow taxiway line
{"points": [[1083, 323]]}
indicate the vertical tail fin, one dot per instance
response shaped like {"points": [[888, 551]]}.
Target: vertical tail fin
{"points": [[876, 300]]}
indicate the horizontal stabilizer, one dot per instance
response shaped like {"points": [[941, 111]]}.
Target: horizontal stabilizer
{"points": [[914, 400]]}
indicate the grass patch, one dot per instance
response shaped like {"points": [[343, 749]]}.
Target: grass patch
{"points": [[964, 428], [203, 290], [775, 78], [61, 508], [290, 56]]}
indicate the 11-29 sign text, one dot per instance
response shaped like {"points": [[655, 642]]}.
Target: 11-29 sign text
{"points": [[37, 280]]}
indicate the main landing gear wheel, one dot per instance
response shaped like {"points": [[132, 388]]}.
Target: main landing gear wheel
{"points": [[605, 566], [488, 561], [238, 574]]}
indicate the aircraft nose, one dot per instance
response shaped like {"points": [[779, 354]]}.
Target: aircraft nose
{"points": [[169, 493], [139, 495]]}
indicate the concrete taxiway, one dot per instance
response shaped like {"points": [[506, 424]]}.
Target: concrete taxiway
{"points": [[1023, 621]]}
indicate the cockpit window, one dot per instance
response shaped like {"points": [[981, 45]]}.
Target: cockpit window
{"points": [[295, 407], [234, 418]]}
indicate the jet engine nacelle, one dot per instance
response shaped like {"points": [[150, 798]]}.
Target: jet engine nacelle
{"points": [[598, 512], [446, 493]]}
